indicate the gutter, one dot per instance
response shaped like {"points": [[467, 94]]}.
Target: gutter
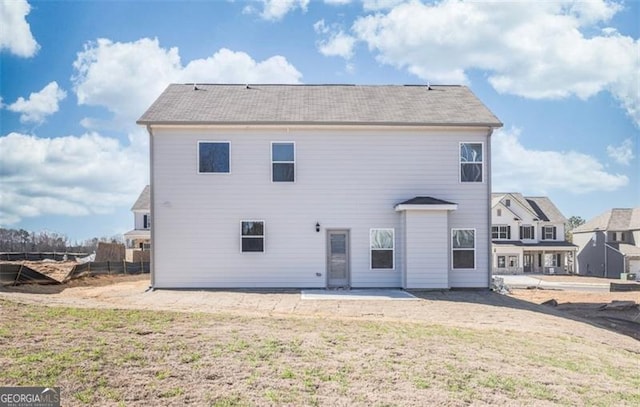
{"points": [[152, 261]]}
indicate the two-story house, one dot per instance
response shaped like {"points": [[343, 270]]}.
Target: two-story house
{"points": [[320, 186], [138, 240], [528, 235], [609, 244]]}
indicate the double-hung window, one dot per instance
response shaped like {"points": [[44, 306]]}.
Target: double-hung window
{"points": [[283, 162], [252, 236], [501, 232], [213, 157], [146, 221], [471, 162], [527, 232], [463, 247], [549, 233], [382, 246]]}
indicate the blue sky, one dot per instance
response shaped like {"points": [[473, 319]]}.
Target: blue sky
{"points": [[563, 76]]}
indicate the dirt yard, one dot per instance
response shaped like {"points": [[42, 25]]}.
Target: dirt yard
{"points": [[105, 341]]}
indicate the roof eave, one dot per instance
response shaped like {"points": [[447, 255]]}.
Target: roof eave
{"points": [[314, 123]]}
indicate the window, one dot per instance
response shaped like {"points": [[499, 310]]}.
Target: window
{"points": [[513, 261], [470, 162], [283, 163], [501, 232], [552, 259], [498, 212], [527, 232], [213, 157], [382, 245], [618, 236], [549, 233], [502, 262], [463, 247], [507, 202], [252, 236], [146, 221]]}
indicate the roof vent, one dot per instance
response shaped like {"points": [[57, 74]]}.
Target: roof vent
{"points": [[195, 86]]}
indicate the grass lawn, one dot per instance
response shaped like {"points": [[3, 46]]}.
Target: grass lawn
{"points": [[118, 357]]}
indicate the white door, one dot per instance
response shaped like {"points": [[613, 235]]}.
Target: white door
{"points": [[338, 258]]}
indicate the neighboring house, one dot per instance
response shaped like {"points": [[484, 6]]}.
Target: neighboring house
{"points": [[609, 244], [139, 239], [320, 186], [528, 236]]}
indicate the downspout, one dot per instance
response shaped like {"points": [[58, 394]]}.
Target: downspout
{"points": [[152, 283], [489, 211]]}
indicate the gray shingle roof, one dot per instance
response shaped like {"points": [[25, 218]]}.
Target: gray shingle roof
{"points": [[143, 203], [541, 206], [617, 219], [319, 104], [425, 200]]}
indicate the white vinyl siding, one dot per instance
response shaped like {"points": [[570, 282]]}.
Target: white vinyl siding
{"points": [[197, 218]]}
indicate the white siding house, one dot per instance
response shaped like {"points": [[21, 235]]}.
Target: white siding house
{"points": [[528, 235], [320, 186], [139, 238]]}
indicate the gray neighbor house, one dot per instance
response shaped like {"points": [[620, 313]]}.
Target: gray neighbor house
{"points": [[320, 186], [609, 244]]}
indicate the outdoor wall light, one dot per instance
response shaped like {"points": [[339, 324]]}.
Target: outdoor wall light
{"points": [[317, 226]]}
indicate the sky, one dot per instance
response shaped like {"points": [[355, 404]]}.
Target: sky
{"points": [[562, 75]]}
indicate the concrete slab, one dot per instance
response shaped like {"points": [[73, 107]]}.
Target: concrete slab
{"points": [[366, 294], [520, 281]]}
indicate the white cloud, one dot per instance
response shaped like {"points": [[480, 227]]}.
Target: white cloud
{"points": [[15, 35], [380, 4], [516, 168], [337, 2], [39, 105], [71, 175], [337, 43], [539, 50], [127, 77], [274, 10], [623, 154]]}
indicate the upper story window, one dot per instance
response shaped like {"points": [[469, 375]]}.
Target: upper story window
{"points": [[382, 246], [471, 162], [252, 236], [507, 202], [146, 221], [498, 212], [527, 232], [501, 232], [213, 157], [618, 236], [549, 233], [463, 247], [283, 162]]}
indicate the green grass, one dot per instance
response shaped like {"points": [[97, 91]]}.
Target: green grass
{"points": [[122, 357]]}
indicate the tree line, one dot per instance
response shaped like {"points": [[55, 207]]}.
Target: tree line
{"points": [[20, 240]]}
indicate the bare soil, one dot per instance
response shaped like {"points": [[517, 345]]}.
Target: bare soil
{"points": [[56, 270], [105, 341]]}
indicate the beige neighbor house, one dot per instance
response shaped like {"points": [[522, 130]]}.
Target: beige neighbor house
{"points": [[609, 244], [528, 236], [138, 240], [320, 186]]}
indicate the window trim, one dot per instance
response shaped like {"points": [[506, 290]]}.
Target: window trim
{"points": [[507, 232], [393, 251], [530, 227], [544, 232], [198, 157], [263, 236], [294, 162], [475, 248], [460, 162], [146, 221]]}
